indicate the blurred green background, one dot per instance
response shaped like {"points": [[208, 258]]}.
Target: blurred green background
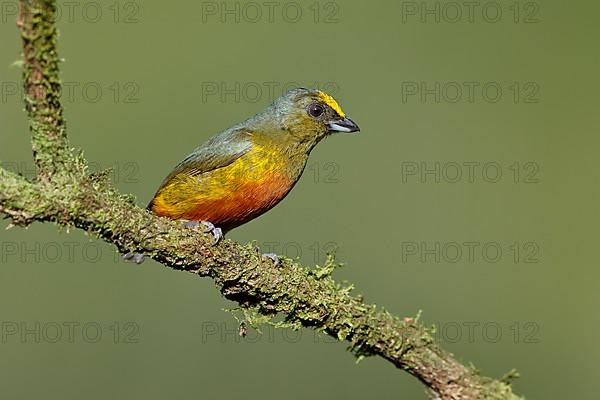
{"points": [[504, 265]]}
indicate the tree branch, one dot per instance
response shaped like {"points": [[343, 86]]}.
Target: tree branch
{"points": [[67, 194], [42, 87]]}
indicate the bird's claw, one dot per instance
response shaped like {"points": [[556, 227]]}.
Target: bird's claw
{"points": [[271, 256], [210, 228], [134, 257]]}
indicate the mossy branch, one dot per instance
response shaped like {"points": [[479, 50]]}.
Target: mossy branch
{"points": [[67, 194], [42, 87]]}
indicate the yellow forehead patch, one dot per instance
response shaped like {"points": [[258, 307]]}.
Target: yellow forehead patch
{"points": [[330, 101]]}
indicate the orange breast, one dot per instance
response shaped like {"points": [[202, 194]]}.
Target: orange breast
{"points": [[229, 196], [247, 202]]}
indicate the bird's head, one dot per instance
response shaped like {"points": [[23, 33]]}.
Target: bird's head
{"points": [[310, 115]]}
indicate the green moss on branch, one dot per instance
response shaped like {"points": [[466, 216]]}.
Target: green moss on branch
{"points": [[42, 87], [66, 194]]}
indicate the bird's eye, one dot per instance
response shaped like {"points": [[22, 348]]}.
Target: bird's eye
{"points": [[315, 110]]}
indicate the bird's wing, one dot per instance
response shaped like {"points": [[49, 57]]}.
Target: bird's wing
{"points": [[218, 152]]}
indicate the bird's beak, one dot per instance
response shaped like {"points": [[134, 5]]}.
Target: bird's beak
{"points": [[345, 125]]}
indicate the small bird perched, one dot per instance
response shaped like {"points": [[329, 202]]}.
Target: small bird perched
{"points": [[247, 169]]}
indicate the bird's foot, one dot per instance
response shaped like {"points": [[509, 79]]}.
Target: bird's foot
{"points": [[271, 256], [209, 228], [134, 257]]}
